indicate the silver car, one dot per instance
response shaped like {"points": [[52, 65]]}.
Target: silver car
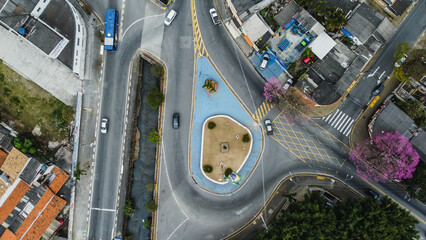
{"points": [[268, 126], [104, 125]]}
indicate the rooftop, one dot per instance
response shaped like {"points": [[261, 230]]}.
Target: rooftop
{"points": [[391, 118], [363, 23], [287, 13], [322, 45], [14, 164]]}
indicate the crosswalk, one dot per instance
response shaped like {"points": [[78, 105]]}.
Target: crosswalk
{"points": [[262, 110], [340, 121]]}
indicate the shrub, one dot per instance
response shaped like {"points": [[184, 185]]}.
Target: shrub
{"points": [[151, 206], [207, 168], [32, 150], [156, 70], [228, 171], [128, 208], [148, 222], [154, 137], [211, 124], [150, 187], [246, 138], [155, 98]]}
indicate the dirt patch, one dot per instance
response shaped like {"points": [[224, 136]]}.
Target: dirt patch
{"points": [[22, 101], [235, 151]]}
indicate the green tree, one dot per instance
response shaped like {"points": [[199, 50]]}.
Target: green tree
{"points": [[417, 184], [147, 223], [128, 208], [154, 98], [153, 136], [78, 171], [401, 49], [414, 109], [356, 218], [400, 75], [156, 70], [151, 206], [307, 52], [246, 138]]}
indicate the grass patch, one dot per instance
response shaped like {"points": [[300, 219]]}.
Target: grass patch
{"points": [[26, 103]]}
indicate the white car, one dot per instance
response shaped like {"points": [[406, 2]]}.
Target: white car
{"points": [[268, 126], [213, 15], [104, 125], [170, 17], [400, 61]]}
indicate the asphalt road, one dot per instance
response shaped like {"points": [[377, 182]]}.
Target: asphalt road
{"points": [[410, 29], [185, 210]]}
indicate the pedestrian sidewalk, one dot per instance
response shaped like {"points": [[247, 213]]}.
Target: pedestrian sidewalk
{"points": [[359, 132]]}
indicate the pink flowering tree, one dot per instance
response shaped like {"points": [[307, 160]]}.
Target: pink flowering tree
{"points": [[389, 156], [273, 90]]}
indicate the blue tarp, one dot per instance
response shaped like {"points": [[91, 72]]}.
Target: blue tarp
{"points": [[347, 34], [283, 46], [289, 24]]}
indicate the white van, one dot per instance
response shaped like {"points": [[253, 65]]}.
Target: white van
{"points": [[170, 16]]}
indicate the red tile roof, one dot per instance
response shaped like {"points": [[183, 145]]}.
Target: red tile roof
{"points": [[8, 235], [3, 157], [13, 200], [59, 181]]}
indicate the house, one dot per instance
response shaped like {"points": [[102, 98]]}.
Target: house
{"points": [[28, 200], [398, 7], [390, 118]]}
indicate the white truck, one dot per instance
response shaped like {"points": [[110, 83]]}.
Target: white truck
{"points": [[214, 16]]}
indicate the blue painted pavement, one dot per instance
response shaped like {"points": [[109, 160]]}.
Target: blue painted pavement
{"points": [[225, 103]]}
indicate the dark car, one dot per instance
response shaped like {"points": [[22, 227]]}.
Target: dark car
{"points": [[372, 194], [176, 120], [378, 90]]}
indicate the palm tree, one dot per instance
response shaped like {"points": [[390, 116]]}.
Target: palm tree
{"points": [[210, 85]]}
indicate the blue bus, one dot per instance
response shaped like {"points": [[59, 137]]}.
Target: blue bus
{"points": [[111, 30]]}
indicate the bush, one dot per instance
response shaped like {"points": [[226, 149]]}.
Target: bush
{"points": [[148, 222], [228, 171], [154, 137], [207, 168], [150, 187], [156, 70], [211, 124], [32, 150], [128, 208], [155, 98], [246, 138], [151, 206]]}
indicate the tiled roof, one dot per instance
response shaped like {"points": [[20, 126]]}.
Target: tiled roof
{"points": [[43, 221], [14, 164], [13, 200], [60, 178], [8, 235], [3, 157], [399, 6]]}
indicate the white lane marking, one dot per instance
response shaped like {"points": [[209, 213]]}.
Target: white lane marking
{"points": [[104, 209], [337, 117], [346, 133], [372, 74], [343, 121], [163, 14], [334, 115]]}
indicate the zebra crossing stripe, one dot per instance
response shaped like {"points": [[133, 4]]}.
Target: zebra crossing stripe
{"points": [[337, 117], [341, 124], [346, 133], [335, 113], [344, 125]]}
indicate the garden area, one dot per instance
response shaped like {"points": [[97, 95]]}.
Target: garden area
{"points": [[226, 146], [28, 108]]}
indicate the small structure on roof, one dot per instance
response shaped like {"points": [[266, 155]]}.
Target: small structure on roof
{"points": [[322, 45]]}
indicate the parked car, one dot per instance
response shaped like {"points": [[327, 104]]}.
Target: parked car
{"points": [[378, 90], [170, 17], [213, 15], [268, 126], [176, 120], [104, 125], [264, 62], [308, 59], [372, 194], [400, 61]]}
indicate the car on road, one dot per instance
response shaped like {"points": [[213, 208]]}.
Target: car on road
{"points": [[264, 62], [175, 120], [378, 90], [268, 126], [104, 125], [372, 194], [213, 15], [170, 17], [400, 61]]}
